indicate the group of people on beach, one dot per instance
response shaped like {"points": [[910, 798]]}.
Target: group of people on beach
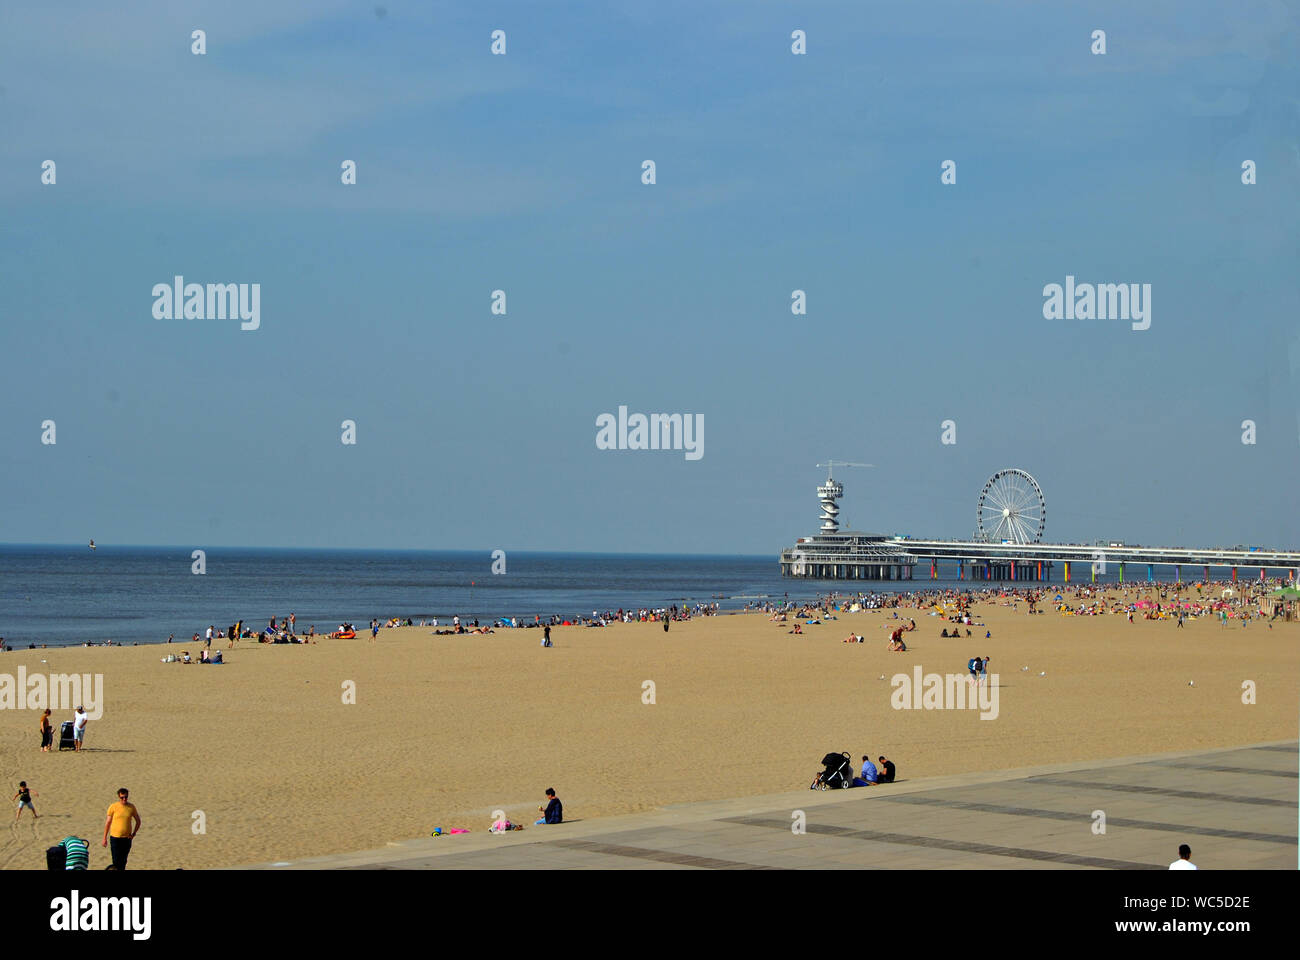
{"points": [[872, 775], [78, 721], [121, 824]]}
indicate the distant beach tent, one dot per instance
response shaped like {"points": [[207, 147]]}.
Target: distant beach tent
{"points": [[1229, 592]]}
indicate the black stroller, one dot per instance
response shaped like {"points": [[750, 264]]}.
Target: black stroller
{"points": [[67, 741], [837, 773]]}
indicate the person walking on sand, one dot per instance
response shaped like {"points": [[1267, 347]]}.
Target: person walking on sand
{"points": [[665, 621], [47, 731], [374, 630], [121, 826], [24, 798], [546, 636], [79, 728]]}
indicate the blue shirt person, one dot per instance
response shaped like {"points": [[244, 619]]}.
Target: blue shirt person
{"points": [[870, 777]]}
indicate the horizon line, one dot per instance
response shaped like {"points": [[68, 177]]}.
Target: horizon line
{"points": [[189, 548]]}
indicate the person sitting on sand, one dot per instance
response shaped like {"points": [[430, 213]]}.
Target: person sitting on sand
{"points": [[185, 657], [798, 628], [216, 658], [203, 655], [886, 770], [944, 633], [870, 776], [553, 811]]}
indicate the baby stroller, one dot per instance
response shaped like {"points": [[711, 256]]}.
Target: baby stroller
{"points": [[837, 772], [66, 739]]}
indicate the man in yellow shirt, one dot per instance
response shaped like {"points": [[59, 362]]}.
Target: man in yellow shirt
{"points": [[121, 826]]}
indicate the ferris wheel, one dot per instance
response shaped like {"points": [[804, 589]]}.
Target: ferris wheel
{"points": [[1011, 508]]}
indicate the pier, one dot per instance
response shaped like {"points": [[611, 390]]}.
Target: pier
{"points": [[847, 555]]}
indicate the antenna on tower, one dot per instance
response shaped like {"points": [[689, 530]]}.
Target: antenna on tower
{"points": [[830, 492], [832, 464]]}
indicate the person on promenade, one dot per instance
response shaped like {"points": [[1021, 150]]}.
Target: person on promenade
{"points": [[47, 731], [24, 798], [79, 720], [121, 826], [886, 770], [1184, 861], [870, 775], [553, 810]]}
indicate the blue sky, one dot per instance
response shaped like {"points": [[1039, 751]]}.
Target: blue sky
{"points": [[522, 172]]}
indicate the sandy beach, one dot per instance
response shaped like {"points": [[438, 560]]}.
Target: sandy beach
{"points": [[446, 729]]}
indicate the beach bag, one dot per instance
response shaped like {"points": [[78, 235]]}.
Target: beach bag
{"points": [[56, 857]]}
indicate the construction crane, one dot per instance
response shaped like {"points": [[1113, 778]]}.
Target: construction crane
{"points": [[830, 465]]}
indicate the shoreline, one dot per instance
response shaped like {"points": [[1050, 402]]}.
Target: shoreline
{"points": [[906, 597]]}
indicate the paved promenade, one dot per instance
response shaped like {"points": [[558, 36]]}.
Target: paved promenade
{"points": [[1237, 808]]}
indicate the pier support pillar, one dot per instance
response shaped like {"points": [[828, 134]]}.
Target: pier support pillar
{"points": [[1234, 574], [1262, 574], [1178, 574], [1067, 571], [1151, 572], [1121, 573], [1207, 573]]}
